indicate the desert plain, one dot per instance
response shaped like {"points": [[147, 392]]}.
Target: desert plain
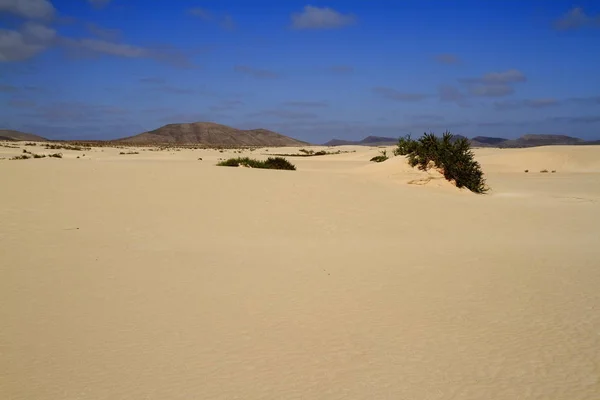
{"points": [[161, 276]]}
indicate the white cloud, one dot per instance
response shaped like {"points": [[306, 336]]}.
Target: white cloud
{"points": [[576, 18], [25, 43], [321, 18], [393, 94], [31, 9]]}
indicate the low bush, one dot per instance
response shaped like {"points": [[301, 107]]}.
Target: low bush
{"points": [[55, 155], [380, 158], [453, 157], [21, 157], [270, 163]]}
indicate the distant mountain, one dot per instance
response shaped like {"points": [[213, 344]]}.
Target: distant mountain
{"points": [[368, 141], [211, 134], [540, 140], [7, 134], [486, 141], [529, 140]]}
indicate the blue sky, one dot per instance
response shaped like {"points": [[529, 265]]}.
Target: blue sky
{"points": [[101, 69]]}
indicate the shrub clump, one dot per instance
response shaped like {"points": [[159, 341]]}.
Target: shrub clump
{"points": [[453, 157], [380, 158], [270, 163]]}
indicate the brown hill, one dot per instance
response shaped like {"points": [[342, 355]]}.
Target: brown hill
{"points": [[211, 134], [7, 134]]}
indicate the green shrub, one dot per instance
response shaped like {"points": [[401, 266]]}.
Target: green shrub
{"points": [[380, 158], [271, 163], [454, 158], [405, 146]]}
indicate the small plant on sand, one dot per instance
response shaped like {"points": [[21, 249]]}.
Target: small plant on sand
{"points": [[270, 163], [21, 157], [452, 157], [65, 147], [544, 171], [55, 155], [553, 171], [526, 171], [39, 155], [126, 153], [380, 158]]}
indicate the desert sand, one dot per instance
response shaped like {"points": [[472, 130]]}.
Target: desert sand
{"points": [[160, 276]]}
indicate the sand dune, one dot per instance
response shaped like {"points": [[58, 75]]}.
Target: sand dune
{"points": [[160, 276]]}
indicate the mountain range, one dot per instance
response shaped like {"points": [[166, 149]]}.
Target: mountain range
{"points": [[10, 135], [213, 134], [529, 140]]}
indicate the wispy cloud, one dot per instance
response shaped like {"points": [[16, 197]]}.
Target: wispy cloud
{"points": [[498, 78], [8, 88], [226, 105], [585, 119], [225, 21], [255, 72], [31, 39], [427, 117], [321, 18], [341, 69], [494, 84], [201, 13], [305, 104], [30, 9], [92, 46], [576, 18], [528, 103], [154, 80], [284, 114], [592, 100], [447, 59], [452, 94], [107, 34], [393, 94]]}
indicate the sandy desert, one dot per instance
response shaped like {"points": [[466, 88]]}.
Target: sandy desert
{"points": [[161, 276]]}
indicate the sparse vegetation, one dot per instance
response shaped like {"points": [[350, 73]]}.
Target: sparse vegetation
{"points": [[312, 153], [526, 171], [270, 163], [39, 155], [30, 144], [128, 152], [380, 158], [544, 171], [55, 155], [453, 158], [21, 157], [553, 171], [51, 146]]}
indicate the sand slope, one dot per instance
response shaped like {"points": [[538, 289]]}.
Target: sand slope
{"points": [[159, 276]]}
